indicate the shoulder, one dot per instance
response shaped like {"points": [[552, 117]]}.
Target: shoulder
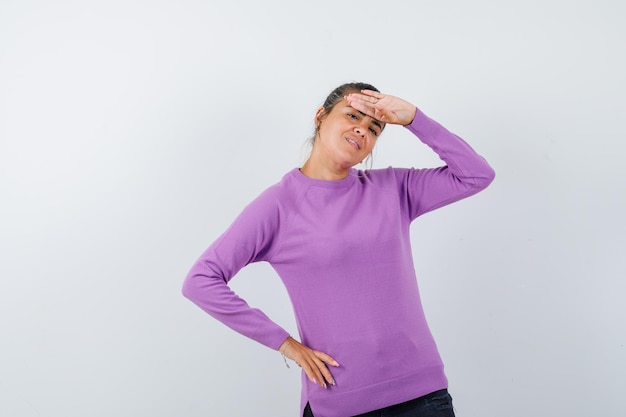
{"points": [[385, 176], [275, 199]]}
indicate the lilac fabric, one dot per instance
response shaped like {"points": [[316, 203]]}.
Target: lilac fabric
{"points": [[342, 249]]}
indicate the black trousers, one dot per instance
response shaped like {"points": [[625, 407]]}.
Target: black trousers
{"points": [[435, 404]]}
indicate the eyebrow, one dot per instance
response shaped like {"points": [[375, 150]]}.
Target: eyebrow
{"points": [[374, 121]]}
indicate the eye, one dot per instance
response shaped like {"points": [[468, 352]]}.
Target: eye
{"points": [[353, 116], [374, 131]]}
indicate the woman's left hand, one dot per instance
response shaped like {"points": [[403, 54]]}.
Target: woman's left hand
{"points": [[383, 107]]}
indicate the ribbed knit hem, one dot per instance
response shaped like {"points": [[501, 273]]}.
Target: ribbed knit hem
{"points": [[326, 404]]}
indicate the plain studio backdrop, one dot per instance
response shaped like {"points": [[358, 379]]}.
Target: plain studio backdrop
{"points": [[133, 132]]}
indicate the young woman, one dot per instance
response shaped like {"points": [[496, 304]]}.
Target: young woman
{"points": [[339, 240]]}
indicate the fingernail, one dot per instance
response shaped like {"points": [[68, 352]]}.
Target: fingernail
{"points": [[332, 382]]}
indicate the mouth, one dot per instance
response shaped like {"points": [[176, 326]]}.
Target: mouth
{"points": [[355, 144]]}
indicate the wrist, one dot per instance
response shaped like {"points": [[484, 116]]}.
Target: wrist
{"points": [[412, 117], [284, 345]]}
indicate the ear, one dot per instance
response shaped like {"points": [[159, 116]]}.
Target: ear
{"points": [[318, 117]]}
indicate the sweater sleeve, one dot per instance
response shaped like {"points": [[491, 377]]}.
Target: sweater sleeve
{"points": [[464, 174], [250, 238]]}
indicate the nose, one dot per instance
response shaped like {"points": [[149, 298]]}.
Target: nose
{"points": [[360, 130]]}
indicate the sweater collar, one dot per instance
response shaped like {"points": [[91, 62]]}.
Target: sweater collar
{"points": [[352, 177]]}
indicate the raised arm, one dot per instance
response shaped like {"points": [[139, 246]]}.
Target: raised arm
{"points": [[464, 174]]}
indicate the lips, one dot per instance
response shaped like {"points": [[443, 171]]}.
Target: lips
{"points": [[354, 142]]}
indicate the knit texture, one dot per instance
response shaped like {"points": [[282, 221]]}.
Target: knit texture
{"points": [[342, 249]]}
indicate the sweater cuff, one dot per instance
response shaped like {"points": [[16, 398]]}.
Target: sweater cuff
{"points": [[423, 126], [276, 338]]}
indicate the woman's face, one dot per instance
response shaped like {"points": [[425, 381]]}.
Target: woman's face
{"points": [[346, 135]]}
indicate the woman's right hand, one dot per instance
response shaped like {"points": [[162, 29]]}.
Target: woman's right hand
{"points": [[312, 362]]}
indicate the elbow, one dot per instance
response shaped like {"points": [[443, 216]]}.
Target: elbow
{"points": [[199, 281], [486, 178], [191, 286], [188, 288], [491, 175]]}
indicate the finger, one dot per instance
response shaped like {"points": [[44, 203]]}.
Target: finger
{"points": [[368, 110], [321, 371], [373, 93], [368, 98], [303, 357], [355, 97], [326, 358], [312, 369], [319, 368], [363, 107], [328, 377], [312, 363]]}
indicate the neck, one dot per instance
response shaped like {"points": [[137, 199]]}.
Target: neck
{"points": [[322, 172]]}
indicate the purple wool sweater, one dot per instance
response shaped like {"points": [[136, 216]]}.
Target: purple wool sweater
{"points": [[342, 249]]}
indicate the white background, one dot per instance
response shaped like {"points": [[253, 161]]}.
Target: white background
{"points": [[133, 132]]}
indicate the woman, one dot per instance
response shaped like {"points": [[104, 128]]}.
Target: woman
{"points": [[339, 240]]}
